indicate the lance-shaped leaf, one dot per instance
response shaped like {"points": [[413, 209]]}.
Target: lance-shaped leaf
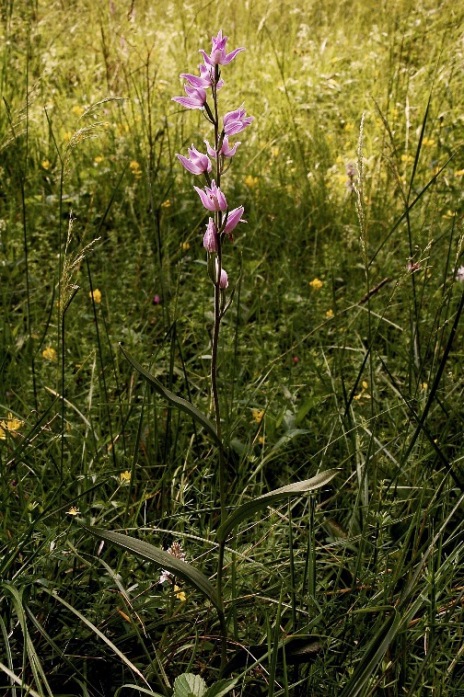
{"points": [[179, 402], [167, 561], [250, 507]]}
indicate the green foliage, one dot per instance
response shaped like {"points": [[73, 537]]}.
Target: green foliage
{"points": [[342, 350]]}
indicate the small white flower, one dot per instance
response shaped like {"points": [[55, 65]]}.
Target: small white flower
{"points": [[176, 551], [460, 274]]}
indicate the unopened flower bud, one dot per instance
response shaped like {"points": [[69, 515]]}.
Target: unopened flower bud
{"points": [[224, 280], [210, 241]]}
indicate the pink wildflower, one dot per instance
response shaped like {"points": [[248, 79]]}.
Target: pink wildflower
{"points": [[212, 197], [234, 217], [218, 55], [196, 162], [236, 121], [195, 99], [226, 150], [204, 80]]}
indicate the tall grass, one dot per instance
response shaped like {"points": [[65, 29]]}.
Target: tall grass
{"points": [[355, 590]]}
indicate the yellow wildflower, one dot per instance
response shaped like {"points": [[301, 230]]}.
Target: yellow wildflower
{"points": [[459, 173], [98, 158], [407, 158], [73, 511], [261, 440], [49, 354], [180, 594], [250, 181], [330, 314], [275, 150], [125, 477], [316, 283], [78, 110], [135, 169], [11, 424], [185, 246], [428, 142], [166, 204], [363, 394], [96, 295], [257, 415], [46, 164]]}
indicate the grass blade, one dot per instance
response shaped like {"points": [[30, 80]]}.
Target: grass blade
{"points": [[99, 633], [374, 653], [19, 681]]}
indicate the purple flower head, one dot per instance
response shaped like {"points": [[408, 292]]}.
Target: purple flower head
{"points": [[195, 99], [210, 242], [204, 80], [236, 121], [212, 197], [226, 150], [224, 280], [196, 162], [234, 217], [218, 54]]}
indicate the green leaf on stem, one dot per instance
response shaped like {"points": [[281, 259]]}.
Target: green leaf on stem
{"points": [[145, 550], [250, 507], [189, 685], [173, 399]]}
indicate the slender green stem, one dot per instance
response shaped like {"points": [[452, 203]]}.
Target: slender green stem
{"points": [[214, 373]]}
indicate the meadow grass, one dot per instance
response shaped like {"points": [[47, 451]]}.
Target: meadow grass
{"points": [[342, 349]]}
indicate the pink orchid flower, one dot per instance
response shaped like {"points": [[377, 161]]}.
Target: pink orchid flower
{"points": [[218, 54], [236, 121], [204, 80], [234, 217], [212, 197], [196, 162], [195, 99], [226, 150]]}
